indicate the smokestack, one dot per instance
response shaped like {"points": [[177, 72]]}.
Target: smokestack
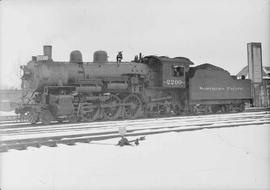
{"points": [[47, 51]]}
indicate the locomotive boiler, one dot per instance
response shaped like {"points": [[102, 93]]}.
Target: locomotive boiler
{"points": [[145, 87]]}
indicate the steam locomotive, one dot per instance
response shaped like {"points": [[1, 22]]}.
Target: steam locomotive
{"points": [[149, 86]]}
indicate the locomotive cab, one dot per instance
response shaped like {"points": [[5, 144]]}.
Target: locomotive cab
{"points": [[168, 72]]}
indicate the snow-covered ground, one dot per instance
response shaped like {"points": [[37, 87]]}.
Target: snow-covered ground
{"points": [[7, 113], [228, 158]]}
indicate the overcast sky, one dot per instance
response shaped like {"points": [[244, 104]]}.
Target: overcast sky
{"points": [[212, 31]]}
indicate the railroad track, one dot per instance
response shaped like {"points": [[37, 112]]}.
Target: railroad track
{"points": [[113, 125], [14, 120], [36, 136], [10, 129]]}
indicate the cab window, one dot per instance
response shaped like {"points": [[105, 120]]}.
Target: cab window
{"points": [[178, 71]]}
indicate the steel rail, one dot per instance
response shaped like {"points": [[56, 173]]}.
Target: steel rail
{"points": [[72, 139]]}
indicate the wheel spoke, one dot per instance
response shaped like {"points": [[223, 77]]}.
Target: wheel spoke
{"points": [[112, 109], [134, 107]]}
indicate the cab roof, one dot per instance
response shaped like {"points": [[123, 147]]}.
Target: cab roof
{"points": [[165, 59]]}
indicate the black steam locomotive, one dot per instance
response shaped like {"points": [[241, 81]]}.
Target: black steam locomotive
{"points": [[145, 87]]}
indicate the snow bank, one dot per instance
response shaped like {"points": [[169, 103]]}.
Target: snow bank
{"points": [[230, 158]]}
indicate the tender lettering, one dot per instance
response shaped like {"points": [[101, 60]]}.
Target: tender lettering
{"points": [[221, 88]]}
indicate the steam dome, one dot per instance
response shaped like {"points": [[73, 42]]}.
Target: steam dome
{"points": [[100, 56], [76, 57]]}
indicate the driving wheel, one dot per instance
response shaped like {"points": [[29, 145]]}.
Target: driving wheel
{"points": [[133, 106], [111, 107]]}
